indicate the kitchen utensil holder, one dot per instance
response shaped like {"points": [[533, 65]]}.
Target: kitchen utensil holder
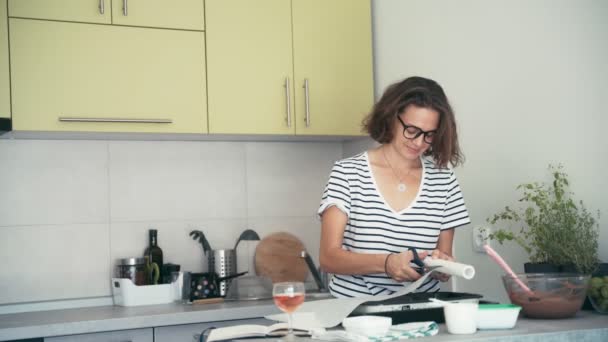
{"points": [[222, 262]]}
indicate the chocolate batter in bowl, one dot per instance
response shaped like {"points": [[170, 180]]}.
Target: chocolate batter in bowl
{"points": [[554, 295]]}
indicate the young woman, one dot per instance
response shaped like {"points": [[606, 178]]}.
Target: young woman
{"points": [[380, 204]]}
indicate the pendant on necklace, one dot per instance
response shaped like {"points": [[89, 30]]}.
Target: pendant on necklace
{"points": [[401, 187]]}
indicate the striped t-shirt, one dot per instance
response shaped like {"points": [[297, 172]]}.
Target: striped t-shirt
{"points": [[373, 227]]}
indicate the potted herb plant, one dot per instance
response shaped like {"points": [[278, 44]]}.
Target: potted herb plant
{"points": [[558, 233]]}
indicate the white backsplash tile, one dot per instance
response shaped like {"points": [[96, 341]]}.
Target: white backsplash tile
{"points": [[307, 229], [287, 179], [53, 182], [176, 180], [69, 209], [54, 262], [356, 146], [129, 239]]}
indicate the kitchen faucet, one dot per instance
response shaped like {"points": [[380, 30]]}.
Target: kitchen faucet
{"points": [[313, 271]]}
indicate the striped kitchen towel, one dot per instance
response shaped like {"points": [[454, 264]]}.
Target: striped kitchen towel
{"points": [[408, 331], [397, 332]]}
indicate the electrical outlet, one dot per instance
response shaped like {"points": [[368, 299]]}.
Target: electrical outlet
{"points": [[481, 236]]}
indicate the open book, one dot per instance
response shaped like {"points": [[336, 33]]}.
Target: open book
{"points": [[251, 330]]}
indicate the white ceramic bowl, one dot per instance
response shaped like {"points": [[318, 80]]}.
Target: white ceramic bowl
{"points": [[371, 326], [461, 318], [497, 316]]}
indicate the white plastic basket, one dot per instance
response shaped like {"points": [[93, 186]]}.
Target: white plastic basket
{"points": [[125, 293]]}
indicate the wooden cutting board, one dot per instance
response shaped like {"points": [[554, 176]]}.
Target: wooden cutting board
{"points": [[277, 257]]}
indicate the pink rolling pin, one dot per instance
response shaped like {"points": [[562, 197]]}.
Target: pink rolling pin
{"points": [[492, 254]]}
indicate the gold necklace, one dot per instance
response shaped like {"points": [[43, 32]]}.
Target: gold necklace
{"points": [[401, 187]]}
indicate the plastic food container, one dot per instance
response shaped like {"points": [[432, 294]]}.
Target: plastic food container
{"points": [[125, 293], [132, 268], [497, 316], [371, 326]]}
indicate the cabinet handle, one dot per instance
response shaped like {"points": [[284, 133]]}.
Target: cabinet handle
{"points": [[307, 102], [73, 119], [288, 101], [102, 6], [125, 7]]}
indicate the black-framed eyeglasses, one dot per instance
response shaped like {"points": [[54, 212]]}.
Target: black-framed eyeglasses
{"points": [[413, 132]]}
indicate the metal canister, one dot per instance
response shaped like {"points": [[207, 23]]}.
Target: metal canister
{"points": [[132, 268], [222, 262]]}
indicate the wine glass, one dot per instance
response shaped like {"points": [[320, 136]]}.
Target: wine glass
{"points": [[288, 296]]}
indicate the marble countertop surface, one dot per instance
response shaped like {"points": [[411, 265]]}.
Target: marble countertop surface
{"points": [[587, 326], [108, 318]]}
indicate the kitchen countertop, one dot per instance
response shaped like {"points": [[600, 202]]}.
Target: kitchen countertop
{"points": [[108, 318], [585, 325]]}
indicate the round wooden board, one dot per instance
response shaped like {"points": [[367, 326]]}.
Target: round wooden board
{"points": [[277, 257]]}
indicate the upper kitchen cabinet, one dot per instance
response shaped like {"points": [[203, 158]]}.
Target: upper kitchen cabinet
{"points": [[250, 67], [185, 14], [5, 102], [332, 52], [289, 67], [90, 11], [105, 78], [182, 14]]}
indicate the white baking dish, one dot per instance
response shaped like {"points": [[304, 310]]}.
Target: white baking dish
{"points": [[497, 316]]}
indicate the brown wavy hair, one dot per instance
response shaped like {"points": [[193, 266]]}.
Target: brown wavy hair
{"points": [[421, 92]]}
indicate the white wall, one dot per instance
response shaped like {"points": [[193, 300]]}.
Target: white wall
{"points": [[528, 81], [69, 209]]}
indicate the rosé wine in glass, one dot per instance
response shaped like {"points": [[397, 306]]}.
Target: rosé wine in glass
{"points": [[288, 297], [288, 303]]}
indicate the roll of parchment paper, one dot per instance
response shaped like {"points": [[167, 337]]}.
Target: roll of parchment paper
{"points": [[450, 267]]}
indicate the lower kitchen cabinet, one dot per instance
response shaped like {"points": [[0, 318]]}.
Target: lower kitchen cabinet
{"points": [[187, 332], [135, 335], [105, 78]]}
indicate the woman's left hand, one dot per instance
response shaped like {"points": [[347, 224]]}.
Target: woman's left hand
{"points": [[437, 254]]}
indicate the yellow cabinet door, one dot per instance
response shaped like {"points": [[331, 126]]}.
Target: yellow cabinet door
{"points": [[105, 72], [332, 47], [249, 62], [5, 99], [89, 11], [180, 14]]}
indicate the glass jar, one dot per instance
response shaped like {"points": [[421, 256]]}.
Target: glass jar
{"points": [[132, 268]]}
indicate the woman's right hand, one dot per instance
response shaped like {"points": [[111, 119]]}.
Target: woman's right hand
{"points": [[398, 266]]}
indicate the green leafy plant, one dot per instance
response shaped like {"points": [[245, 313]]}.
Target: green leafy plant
{"points": [[553, 227]]}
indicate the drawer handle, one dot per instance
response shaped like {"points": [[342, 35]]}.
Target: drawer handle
{"points": [[307, 102], [125, 7], [102, 6], [71, 119], [288, 101]]}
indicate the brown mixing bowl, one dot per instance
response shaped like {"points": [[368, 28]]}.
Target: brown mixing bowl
{"points": [[554, 295]]}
